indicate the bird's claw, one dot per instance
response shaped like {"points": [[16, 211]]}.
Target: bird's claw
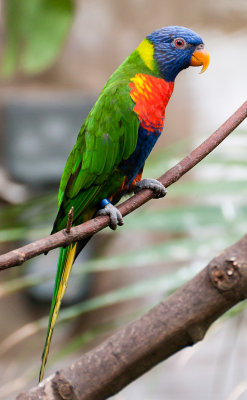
{"points": [[158, 189], [114, 214]]}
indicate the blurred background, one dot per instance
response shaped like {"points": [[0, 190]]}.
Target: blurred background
{"points": [[56, 56]]}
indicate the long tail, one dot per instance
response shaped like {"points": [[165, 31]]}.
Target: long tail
{"points": [[65, 262]]}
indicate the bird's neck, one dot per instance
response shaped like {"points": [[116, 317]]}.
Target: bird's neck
{"points": [[151, 96]]}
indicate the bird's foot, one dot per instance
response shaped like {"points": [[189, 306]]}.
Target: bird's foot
{"points": [[158, 189], [114, 214]]}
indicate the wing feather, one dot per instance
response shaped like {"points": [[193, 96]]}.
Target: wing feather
{"points": [[108, 136]]}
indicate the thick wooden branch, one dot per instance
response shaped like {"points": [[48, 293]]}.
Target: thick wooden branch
{"points": [[89, 228], [179, 321]]}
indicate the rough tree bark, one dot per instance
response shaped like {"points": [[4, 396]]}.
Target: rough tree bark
{"points": [[179, 321]]}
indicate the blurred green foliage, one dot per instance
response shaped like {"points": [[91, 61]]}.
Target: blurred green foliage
{"points": [[199, 217], [202, 214], [35, 32]]}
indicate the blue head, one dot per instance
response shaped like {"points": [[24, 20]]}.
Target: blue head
{"points": [[176, 48]]}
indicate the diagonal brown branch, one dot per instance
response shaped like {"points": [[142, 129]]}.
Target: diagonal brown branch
{"points": [[89, 228], [179, 321]]}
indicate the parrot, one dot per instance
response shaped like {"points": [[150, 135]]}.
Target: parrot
{"points": [[115, 140]]}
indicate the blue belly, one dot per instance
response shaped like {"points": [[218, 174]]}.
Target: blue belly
{"points": [[145, 142]]}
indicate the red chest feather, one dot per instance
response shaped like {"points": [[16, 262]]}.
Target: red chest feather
{"points": [[150, 96]]}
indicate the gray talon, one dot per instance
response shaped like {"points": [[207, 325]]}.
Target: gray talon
{"points": [[114, 214], [152, 184]]}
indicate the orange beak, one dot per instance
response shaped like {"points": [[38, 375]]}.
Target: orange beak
{"points": [[200, 57]]}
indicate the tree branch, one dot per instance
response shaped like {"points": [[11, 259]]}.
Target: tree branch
{"points": [[89, 228], [179, 321]]}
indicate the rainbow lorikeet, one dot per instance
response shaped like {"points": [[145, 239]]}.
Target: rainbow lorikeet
{"points": [[116, 138]]}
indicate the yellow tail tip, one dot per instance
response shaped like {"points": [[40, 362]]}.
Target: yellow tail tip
{"points": [[62, 278]]}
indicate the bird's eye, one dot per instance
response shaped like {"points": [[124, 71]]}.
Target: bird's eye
{"points": [[179, 43]]}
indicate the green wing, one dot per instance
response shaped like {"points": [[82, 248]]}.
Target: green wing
{"points": [[108, 136]]}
